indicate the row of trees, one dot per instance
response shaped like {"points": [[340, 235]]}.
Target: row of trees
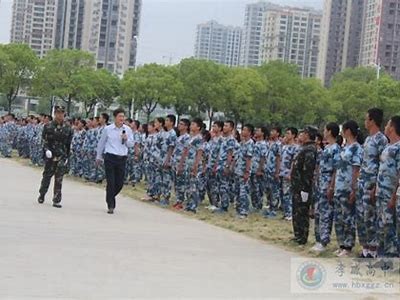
{"points": [[272, 93]]}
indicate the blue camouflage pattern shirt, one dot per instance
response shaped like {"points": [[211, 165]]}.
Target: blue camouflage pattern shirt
{"points": [[165, 141], [227, 144], [245, 152], [182, 142], [273, 153], [260, 151], [328, 163], [195, 144], [350, 156], [373, 148], [288, 154], [389, 171], [215, 145]]}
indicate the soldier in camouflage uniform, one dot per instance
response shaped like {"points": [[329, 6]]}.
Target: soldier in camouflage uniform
{"points": [[346, 187], [76, 160], [166, 140], [150, 153], [211, 172], [302, 182], [89, 147], [257, 179], [273, 189], [192, 158], [242, 170], [365, 205], [288, 154], [387, 185], [57, 137], [181, 178], [326, 181], [224, 166]]}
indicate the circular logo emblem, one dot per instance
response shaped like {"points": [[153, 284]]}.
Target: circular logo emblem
{"points": [[311, 275]]}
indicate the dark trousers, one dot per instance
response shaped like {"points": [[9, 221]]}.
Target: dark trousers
{"points": [[115, 173], [56, 169], [300, 218]]}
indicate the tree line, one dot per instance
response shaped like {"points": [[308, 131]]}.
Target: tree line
{"points": [[273, 93]]}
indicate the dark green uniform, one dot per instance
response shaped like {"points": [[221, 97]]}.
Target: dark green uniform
{"points": [[56, 138], [302, 181]]}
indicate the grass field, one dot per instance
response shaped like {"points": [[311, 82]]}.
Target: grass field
{"points": [[276, 231]]}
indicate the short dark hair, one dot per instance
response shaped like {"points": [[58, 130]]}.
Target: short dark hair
{"points": [[105, 116], [265, 131], [278, 129], [186, 122], [231, 123], [161, 120], [376, 115], [395, 122], [198, 122], [137, 123], [206, 135], [293, 131], [219, 124], [250, 127], [118, 111], [172, 118]]}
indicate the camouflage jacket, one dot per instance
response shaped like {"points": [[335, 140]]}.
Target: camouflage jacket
{"points": [[303, 168], [57, 138]]}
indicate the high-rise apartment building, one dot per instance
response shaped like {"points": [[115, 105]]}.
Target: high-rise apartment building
{"points": [[218, 43], [381, 36], [106, 28], [340, 40], [291, 35]]}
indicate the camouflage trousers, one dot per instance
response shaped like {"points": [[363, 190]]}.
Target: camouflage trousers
{"points": [[243, 202], [398, 222], [367, 216], [151, 180], [224, 186], [89, 166], [194, 192], [164, 179], [181, 186], [386, 220], [6, 149], [273, 192], [133, 172], [75, 163], [257, 187], [56, 169], [203, 186], [212, 188], [300, 218], [345, 226], [287, 197], [324, 212]]}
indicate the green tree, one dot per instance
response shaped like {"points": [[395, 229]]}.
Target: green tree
{"points": [[18, 64], [149, 86], [60, 73]]}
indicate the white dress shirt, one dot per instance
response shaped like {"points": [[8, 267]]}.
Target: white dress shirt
{"points": [[111, 141]]}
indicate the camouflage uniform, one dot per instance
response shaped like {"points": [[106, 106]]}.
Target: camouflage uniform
{"points": [[224, 172], [365, 208], [257, 182], [203, 176], [100, 169], [287, 157], [165, 140], [234, 186], [89, 149], [245, 152], [56, 138], [76, 161], [195, 145], [345, 228], [181, 180], [10, 133], [316, 198], [327, 166], [388, 178], [212, 184], [151, 154], [273, 189], [302, 181]]}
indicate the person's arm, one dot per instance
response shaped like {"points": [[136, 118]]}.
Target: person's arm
{"points": [[130, 141], [45, 139], [101, 145], [392, 202], [354, 183], [171, 147], [69, 141], [278, 165], [199, 155]]}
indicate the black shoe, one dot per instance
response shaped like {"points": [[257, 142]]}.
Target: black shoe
{"points": [[188, 209], [57, 205], [41, 199], [110, 211]]}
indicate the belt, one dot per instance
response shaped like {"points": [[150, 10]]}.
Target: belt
{"points": [[116, 156]]}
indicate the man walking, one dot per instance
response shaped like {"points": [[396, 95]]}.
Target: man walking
{"points": [[114, 144], [57, 137]]}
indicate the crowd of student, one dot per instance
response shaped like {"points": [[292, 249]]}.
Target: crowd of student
{"points": [[343, 182]]}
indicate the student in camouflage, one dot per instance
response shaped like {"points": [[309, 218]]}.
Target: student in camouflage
{"points": [[206, 152], [192, 158], [224, 166], [242, 170], [76, 159], [387, 185], [365, 205], [257, 179], [287, 157], [150, 150], [100, 170], [181, 177], [326, 183], [346, 187]]}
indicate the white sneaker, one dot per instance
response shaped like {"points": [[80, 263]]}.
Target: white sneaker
{"points": [[337, 252], [344, 253], [288, 218], [212, 207], [318, 247]]}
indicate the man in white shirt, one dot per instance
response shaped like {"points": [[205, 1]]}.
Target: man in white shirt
{"points": [[113, 146]]}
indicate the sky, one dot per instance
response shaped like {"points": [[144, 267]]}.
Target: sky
{"points": [[168, 27]]}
